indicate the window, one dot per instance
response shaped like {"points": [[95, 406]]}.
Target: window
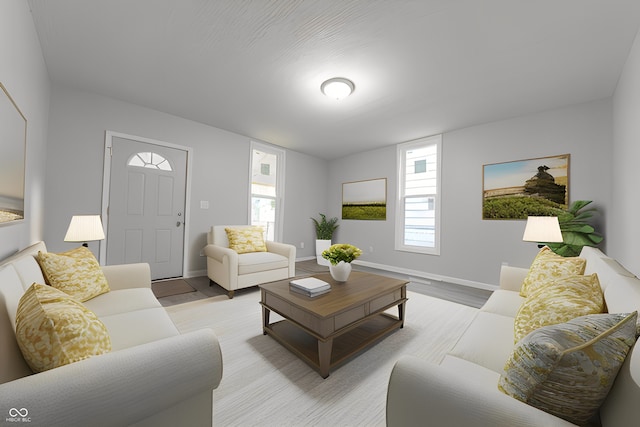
{"points": [[418, 209], [266, 192], [150, 160]]}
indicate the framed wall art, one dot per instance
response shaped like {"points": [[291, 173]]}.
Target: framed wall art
{"points": [[515, 190], [13, 140], [365, 200]]}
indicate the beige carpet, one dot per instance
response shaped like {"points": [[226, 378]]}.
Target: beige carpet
{"points": [[165, 288], [265, 385]]}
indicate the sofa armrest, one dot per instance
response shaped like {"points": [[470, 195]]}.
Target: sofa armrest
{"points": [[119, 388], [511, 278], [126, 276], [421, 393]]}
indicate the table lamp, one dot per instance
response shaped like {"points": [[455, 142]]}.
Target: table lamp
{"points": [[84, 228], [542, 229]]}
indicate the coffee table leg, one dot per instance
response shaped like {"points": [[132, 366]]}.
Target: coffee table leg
{"points": [[324, 356], [401, 314], [265, 319]]}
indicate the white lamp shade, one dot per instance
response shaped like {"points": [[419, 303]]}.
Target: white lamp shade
{"points": [[84, 228], [544, 229]]}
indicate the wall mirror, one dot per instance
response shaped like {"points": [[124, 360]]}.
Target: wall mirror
{"points": [[13, 139]]}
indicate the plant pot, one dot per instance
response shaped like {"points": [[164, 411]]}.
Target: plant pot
{"points": [[321, 246], [340, 272]]}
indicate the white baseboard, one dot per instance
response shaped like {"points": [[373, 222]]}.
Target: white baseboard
{"points": [[422, 276]]}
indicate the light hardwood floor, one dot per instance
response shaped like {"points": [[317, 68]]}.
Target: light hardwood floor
{"points": [[448, 291]]}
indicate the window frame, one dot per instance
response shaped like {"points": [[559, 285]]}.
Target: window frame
{"points": [[401, 153], [279, 198]]}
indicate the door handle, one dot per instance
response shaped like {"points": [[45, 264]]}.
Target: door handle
{"points": [[178, 224]]}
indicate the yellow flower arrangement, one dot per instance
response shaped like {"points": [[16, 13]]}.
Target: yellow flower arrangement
{"points": [[341, 252]]}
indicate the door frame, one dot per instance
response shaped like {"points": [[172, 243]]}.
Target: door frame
{"points": [[106, 184]]}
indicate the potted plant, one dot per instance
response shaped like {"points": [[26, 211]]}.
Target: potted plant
{"points": [[576, 230], [340, 256], [324, 233]]}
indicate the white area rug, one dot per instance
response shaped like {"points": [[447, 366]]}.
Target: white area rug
{"points": [[263, 384]]}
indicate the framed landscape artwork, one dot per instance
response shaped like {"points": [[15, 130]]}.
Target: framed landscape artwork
{"points": [[13, 140], [515, 190], [366, 200]]}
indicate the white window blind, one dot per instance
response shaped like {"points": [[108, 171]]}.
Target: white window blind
{"points": [[418, 213]]}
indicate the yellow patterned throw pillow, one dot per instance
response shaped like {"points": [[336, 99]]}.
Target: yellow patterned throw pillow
{"points": [[547, 266], [558, 302], [54, 329], [246, 239], [568, 369], [75, 272]]}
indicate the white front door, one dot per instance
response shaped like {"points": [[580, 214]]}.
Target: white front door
{"points": [[146, 207]]}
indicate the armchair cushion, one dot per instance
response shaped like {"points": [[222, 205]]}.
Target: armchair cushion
{"points": [[260, 261], [75, 272], [568, 369], [246, 239], [54, 329]]}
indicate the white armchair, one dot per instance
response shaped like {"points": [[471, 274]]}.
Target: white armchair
{"points": [[232, 271]]}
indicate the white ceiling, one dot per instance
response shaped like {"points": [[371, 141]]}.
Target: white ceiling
{"points": [[254, 67]]}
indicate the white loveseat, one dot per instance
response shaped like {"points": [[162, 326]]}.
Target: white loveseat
{"points": [[154, 376], [463, 389], [233, 271]]}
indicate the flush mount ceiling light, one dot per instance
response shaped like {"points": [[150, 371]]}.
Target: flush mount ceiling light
{"points": [[337, 88]]}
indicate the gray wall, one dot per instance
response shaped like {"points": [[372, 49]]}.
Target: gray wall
{"points": [[624, 226], [220, 170], [473, 249], [23, 72], [68, 144]]}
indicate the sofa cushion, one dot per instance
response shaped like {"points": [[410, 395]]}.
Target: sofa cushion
{"points": [[29, 271], [488, 341], [548, 266], [138, 327], [10, 291], [75, 272], [557, 302], [246, 239], [504, 302], [255, 262], [568, 369], [122, 301], [54, 329]]}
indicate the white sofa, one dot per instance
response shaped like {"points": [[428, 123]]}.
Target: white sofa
{"points": [[234, 271], [463, 389], [154, 376]]}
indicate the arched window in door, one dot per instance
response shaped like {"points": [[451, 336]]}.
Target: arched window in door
{"points": [[150, 160]]}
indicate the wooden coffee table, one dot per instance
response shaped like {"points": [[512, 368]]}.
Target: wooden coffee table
{"points": [[326, 330]]}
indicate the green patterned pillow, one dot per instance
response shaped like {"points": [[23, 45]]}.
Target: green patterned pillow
{"points": [[568, 369], [547, 266], [246, 239], [558, 302], [75, 272]]}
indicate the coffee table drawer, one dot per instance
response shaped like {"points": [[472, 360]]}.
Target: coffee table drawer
{"points": [[385, 300], [348, 317]]}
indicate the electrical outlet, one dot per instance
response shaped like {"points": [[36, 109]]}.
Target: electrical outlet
{"points": [[202, 252], [371, 249], [301, 245]]}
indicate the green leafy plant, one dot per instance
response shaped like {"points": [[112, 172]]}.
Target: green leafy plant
{"points": [[341, 252], [325, 227], [576, 230]]}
